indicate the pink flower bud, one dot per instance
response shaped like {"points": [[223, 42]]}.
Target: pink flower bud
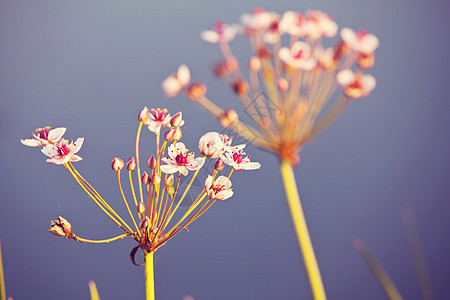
{"points": [[144, 223], [169, 180], [117, 164], [156, 179], [173, 134], [131, 164], [196, 91], [151, 162], [176, 120], [61, 227], [240, 87], [283, 84], [219, 165], [228, 118], [143, 115], [220, 69], [141, 207], [145, 178], [255, 64]]}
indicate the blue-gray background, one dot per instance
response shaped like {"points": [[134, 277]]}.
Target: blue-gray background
{"points": [[92, 65]]}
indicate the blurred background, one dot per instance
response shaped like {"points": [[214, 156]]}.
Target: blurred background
{"points": [[91, 66]]}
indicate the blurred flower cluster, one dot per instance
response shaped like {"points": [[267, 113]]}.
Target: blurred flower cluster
{"points": [[158, 197], [294, 74]]}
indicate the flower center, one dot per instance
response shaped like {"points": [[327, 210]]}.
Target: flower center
{"points": [[63, 149], [361, 34], [299, 54], [43, 134], [237, 157], [181, 159]]}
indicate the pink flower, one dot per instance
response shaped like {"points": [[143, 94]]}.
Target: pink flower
{"points": [[259, 19], [180, 161], [293, 23], [173, 84], [298, 57], [44, 136], [361, 41], [320, 24], [211, 145], [236, 158], [221, 33], [356, 85], [219, 189], [63, 152], [158, 118]]}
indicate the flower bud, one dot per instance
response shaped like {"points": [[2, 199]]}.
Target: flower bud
{"points": [[240, 87], [156, 179], [176, 120], [219, 165], [117, 164], [141, 207], [169, 180], [151, 162], [60, 227], [173, 134], [283, 84], [228, 118], [145, 178], [220, 69], [366, 60], [196, 91], [255, 64], [264, 53], [131, 164], [144, 223], [232, 64], [143, 115]]}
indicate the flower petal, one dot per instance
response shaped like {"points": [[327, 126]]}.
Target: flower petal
{"points": [[31, 143], [56, 134]]}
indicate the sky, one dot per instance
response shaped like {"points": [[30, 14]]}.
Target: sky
{"points": [[91, 66]]}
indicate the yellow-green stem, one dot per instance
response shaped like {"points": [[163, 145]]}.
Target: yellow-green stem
{"points": [[301, 229], [2, 278], [149, 277]]}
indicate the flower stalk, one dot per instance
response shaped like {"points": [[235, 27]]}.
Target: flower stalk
{"points": [[301, 229], [149, 276]]}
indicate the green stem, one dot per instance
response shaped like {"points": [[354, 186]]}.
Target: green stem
{"points": [[309, 258], [149, 278], [2, 278]]}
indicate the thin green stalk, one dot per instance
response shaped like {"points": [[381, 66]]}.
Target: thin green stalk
{"points": [[304, 241], [149, 277]]}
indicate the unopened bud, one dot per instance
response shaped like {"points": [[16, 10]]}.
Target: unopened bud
{"points": [[131, 164], [196, 91], [283, 84], [228, 118], [219, 165], [264, 53], [156, 179], [151, 162], [117, 164], [141, 207], [60, 227], [255, 64], [176, 120], [240, 87], [232, 64], [173, 134], [220, 69], [145, 178], [169, 180], [143, 115], [144, 223]]}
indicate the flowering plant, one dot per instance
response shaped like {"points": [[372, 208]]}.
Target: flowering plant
{"points": [[292, 92], [158, 200]]}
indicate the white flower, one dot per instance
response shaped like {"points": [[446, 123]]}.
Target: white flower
{"points": [[236, 158], [356, 85], [219, 189], [44, 136], [298, 57], [361, 41], [63, 152], [180, 161], [259, 19], [293, 23], [173, 84], [211, 144], [221, 33], [320, 24], [157, 118]]}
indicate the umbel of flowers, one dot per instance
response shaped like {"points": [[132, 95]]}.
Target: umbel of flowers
{"points": [[302, 74], [154, 206]]}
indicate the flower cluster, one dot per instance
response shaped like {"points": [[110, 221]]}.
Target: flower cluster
{"points": [[156, 201], [293, 75]]}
